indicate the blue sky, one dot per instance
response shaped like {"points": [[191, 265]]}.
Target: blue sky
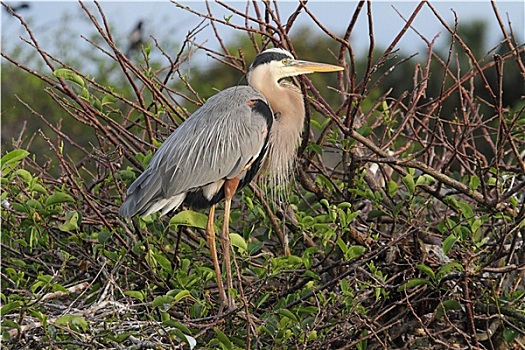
{"points": [[167, 22]]}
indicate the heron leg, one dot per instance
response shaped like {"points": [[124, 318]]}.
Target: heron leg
{"points": [[230, 186], [210, 236]]}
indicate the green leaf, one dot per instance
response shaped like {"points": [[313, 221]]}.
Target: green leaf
{"points": [[73, 321], [189, 218], [103, 236], [509, 334], [308, 256], [307, 310], [25, 175], [450, 304], [476, 224], [448, 268], [162, 301], [474, 182], [391, 188], [312, 336], [108, 99], [376, 213], [355, 251], [307, 221], [223, 338], [135, 294], [427, 270], [344, 205], [31, 203], [147, 49], [13, 156], [12, 159], [69, 75], [182, 327], [9, 307], [40, 316], [408, 180], [188, 339], [18, 262], [289, 314], [363, 344], [39, 188], [345, 286], [59, 287], [63, 320], [385, 108], [294, 260], [325, 181], [84, 94], [6, 324], [59, 197], [342, 245], [315, 124], [163, 262], [351, 216], [239, 242], [71, 222], [425, 179], [95, 102], [316, 148], [80, 322], [182, 294], [365, 130], [414, 282], [465, 209], [181, 331], [448, 243]]}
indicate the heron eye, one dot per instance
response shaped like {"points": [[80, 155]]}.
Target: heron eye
{"points": [[284, 62]]}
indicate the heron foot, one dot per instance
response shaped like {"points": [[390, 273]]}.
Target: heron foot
{"points": [[227, 305]]}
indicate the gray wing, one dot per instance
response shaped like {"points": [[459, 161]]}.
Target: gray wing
{"points": [[215, 143]]}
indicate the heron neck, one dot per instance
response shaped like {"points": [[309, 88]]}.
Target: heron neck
{"points": [[283, 97], [286, 102]]}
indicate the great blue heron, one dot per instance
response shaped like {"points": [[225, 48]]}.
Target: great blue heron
{"points": [[224, 144]]}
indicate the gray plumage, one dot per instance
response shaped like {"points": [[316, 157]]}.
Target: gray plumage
{"points": [[214, 144]]}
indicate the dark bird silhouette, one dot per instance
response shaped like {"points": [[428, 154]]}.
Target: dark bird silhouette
{"points": [[16, 8], [136, 38]]}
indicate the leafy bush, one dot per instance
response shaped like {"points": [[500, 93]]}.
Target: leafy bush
{"points": [[404, 227]]}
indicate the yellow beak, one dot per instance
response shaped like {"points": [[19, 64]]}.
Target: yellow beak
{"points": [[305, 67]]}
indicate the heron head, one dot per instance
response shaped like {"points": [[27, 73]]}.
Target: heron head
{"points": [[278, 63]]}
